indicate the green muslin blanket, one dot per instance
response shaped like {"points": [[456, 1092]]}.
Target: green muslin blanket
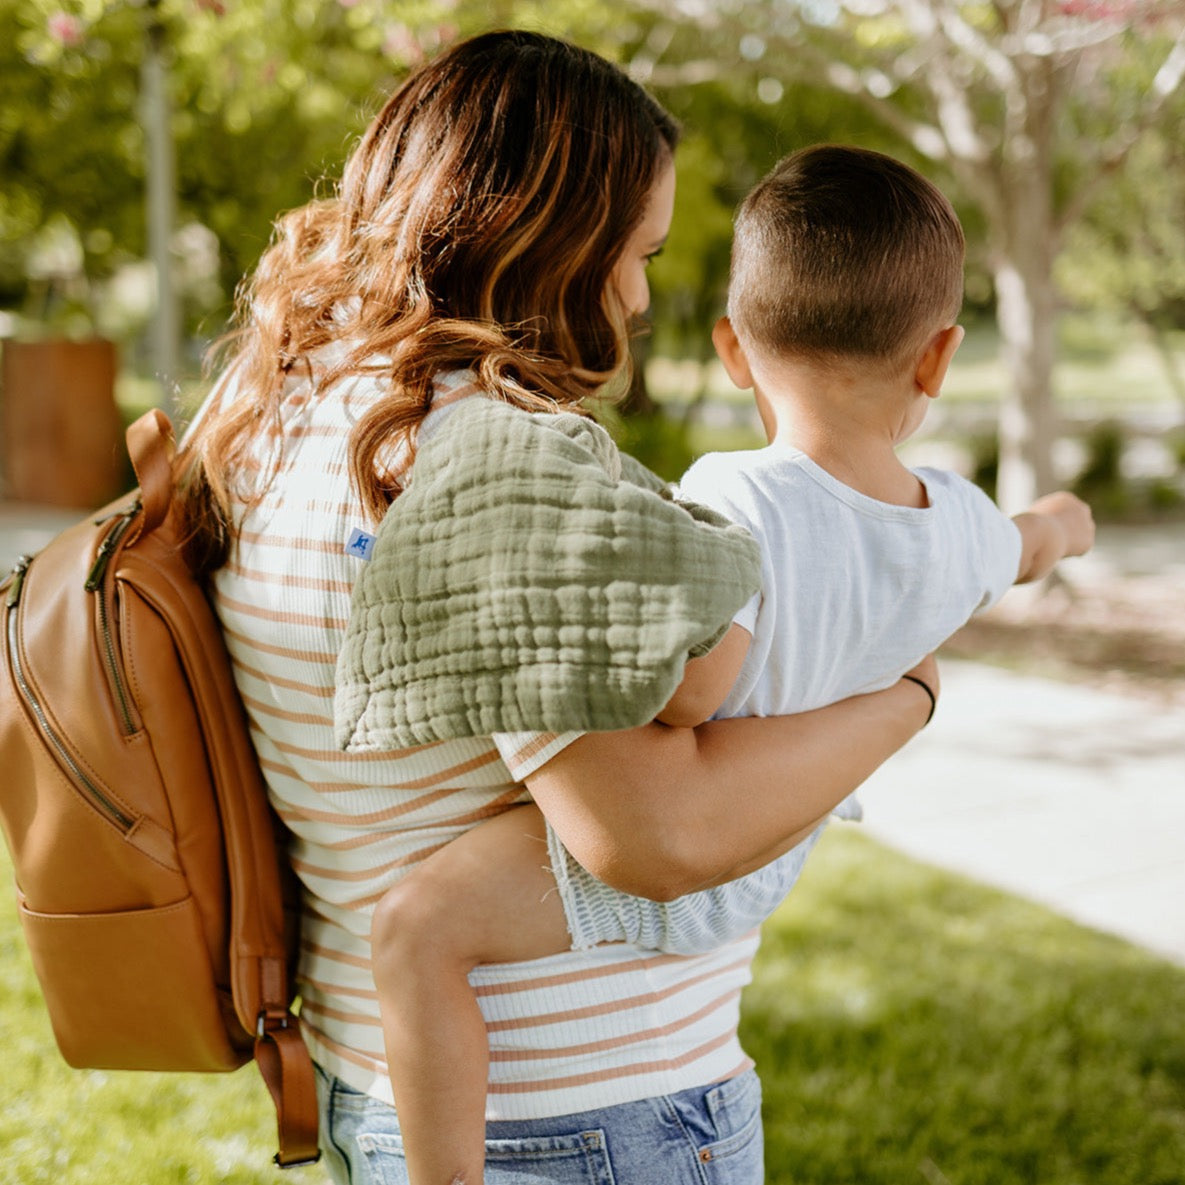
{"points": [[531, 576]]}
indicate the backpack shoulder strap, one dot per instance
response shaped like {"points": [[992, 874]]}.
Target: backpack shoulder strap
{"points": [[286, 1068], [259, 981]]}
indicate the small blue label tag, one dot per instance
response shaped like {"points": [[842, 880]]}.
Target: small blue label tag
{"points": [[360, 544]]}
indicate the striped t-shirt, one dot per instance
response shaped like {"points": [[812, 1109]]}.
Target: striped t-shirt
{"points": [[576, 1031]]}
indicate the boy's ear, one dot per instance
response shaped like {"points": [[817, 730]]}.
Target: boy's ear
{"points": [[732, 353], [931, 371]]}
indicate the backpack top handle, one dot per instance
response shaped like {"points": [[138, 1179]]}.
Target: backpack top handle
{"points": [[151, 446]]}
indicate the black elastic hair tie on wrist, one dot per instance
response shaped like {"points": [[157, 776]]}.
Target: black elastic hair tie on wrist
{"points": [[928, 690]]}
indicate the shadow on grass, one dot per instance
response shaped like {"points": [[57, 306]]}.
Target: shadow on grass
{"points": [[1072, 648]]}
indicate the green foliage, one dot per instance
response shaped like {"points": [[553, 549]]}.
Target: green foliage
{"points": [[68, 147], [267, 97], [662, 442], [985, 463], [1164, 497], [1128, 253], [691, 277], [1111, 493], [1103, 466]]}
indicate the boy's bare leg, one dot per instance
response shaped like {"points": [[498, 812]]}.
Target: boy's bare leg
{"points": [[486, 897]]}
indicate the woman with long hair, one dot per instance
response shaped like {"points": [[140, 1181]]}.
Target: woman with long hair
{"points": [[488, 241]]}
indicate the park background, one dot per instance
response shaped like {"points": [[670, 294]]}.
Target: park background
{"points": [[910, 1025]]}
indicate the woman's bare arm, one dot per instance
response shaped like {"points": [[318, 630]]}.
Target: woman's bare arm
{"points": [[707, 681], [660, 812]]}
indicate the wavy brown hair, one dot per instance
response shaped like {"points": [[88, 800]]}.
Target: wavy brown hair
{"points": [[475, 226]]}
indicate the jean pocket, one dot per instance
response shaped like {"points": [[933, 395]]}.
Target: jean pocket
{"points": [[576, 1159], [725, 1126], [382, 1152]]}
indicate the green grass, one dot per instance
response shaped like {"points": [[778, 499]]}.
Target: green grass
{"points": [[910, 1026], [60, 1126]]}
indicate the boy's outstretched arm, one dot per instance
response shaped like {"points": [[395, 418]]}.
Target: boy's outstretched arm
{"points": [[1054, 527], [707, 680]]}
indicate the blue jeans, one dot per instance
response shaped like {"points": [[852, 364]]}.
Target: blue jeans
{"points": [[707, 1136]]}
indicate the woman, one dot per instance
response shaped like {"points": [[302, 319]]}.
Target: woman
{"points": [[489, 239]]}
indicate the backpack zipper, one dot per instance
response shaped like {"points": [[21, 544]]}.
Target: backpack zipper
{"points": [[16, 579], [94, 584], [97, 795], [124, 518]]}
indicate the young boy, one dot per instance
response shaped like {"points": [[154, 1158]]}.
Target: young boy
{"points": [[846, 283]]}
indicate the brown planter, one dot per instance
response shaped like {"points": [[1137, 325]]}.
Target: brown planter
{"points": [[62, 439]]}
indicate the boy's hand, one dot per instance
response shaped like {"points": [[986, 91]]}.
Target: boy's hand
{"points": [[1072, 515], [1055, 526]]}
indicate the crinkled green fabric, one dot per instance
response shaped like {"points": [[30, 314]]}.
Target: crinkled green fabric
{"points": [[530, 577]]}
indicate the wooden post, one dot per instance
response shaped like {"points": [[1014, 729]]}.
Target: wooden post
{"points": [[61, 439]]}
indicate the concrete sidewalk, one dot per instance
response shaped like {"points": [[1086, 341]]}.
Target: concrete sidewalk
{"points": [[24, 528], [1062, 793], [1069, 794], [1058, 792]]}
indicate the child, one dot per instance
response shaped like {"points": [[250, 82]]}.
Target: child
{"points": [[846, 283]]}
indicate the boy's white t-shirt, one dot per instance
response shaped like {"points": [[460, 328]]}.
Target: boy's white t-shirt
{"points": [[855, 592]]}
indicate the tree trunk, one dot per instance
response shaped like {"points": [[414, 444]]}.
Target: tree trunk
{"points": [[1026, 301], [160, 203], [1026, 314]]}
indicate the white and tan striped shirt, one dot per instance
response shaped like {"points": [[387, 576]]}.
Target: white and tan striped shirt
{"points": [[576, 1031]]}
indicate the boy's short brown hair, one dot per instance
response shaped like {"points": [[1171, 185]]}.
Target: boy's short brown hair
{"points": [[842, 251]]}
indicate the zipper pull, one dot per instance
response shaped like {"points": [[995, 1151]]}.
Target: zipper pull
{"points": [[95, 576], [18, 579], [110, 541]]}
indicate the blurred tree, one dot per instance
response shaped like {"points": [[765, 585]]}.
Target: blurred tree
{"points": [[267, 96], [1029, 104], [1026, 106], [1127, 255]]}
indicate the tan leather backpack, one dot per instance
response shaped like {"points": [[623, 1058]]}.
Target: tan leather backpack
{"points": [[150, 885]]}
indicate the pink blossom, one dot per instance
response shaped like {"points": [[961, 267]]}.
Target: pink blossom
{"points": [[66, 29], [400, 42], [1099, 10]]}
